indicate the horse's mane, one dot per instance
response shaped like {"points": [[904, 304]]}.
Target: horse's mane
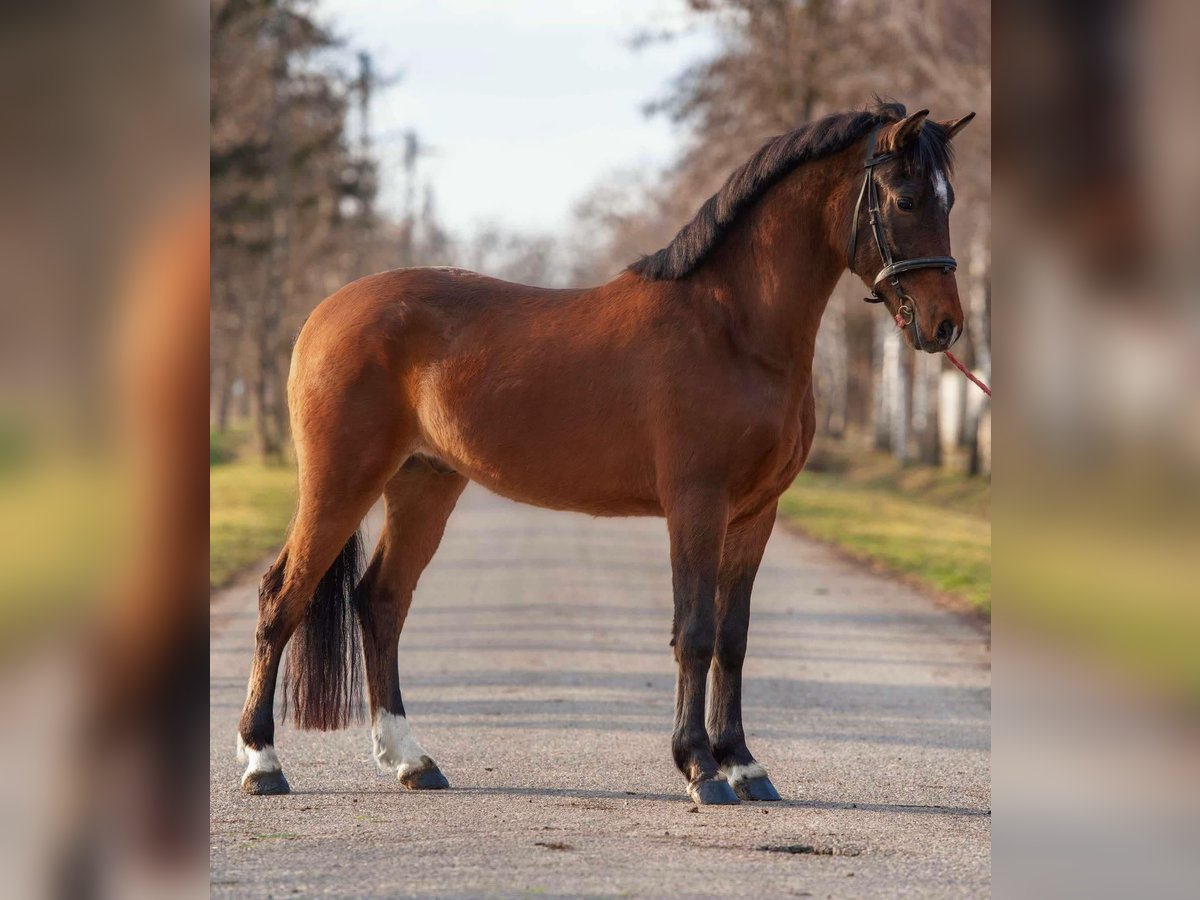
{"points": [[774, 160]]}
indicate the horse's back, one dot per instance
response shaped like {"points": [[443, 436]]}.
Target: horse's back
{"points": [[536, 393], [398, 317]]}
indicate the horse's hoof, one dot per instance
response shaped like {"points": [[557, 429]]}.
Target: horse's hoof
{"points": [[712, 792], [264, 783], [759, 788], [427, 778]]}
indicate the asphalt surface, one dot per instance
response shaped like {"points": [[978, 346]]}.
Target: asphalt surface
{"points": [[536, 670]]}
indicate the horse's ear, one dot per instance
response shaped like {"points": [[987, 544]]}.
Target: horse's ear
{"points": [[905, 131], [954, 126]]}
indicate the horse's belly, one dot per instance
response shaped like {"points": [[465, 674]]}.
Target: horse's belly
{"points": [[594, 498], [591, 467]]}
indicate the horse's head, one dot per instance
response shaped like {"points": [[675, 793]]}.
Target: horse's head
{"points": [[900, 241]]}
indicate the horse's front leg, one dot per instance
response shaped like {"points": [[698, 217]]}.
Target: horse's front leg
{"points": [[697, 529], [744, 545]]}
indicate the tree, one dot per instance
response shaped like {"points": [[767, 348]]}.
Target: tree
{"points": [[292, 212]]}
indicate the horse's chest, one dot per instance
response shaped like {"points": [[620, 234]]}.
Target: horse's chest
{"points": [[770, 467], [784, 461]]}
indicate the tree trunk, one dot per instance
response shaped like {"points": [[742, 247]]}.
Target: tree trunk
{"points": [[977, 296], [977, 304], [951, 413], [830, 370], [883, 374], [265, 440], [896, 395], [268, 388], [280, 406], [983, 443], [225, 396], [926, 376]]}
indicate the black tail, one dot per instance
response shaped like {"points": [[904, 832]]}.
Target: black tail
{"points": [[323, 678]]}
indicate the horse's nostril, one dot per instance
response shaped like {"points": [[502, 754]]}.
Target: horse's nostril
{"points": [[945, 332]]}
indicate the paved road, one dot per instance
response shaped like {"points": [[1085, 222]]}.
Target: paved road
{"points": [[536, 670]]}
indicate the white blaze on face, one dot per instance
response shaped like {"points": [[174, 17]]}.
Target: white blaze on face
{"points": [[396, 750], [942, 189]]}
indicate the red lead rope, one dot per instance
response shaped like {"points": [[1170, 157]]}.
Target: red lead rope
{"points": [[902, 322], [983, 387]]}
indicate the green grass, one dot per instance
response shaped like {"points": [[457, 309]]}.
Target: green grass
{"points": [[250, 505], [925, 524], [229, 445]]}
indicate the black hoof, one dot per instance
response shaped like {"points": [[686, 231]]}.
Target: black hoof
{"points": [[713, 792], [759, 788], [265, 783], [427, 778]]}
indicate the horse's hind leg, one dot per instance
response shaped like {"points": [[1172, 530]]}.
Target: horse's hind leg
{"points": [[743, 550], [311, 577], [420, 498]]}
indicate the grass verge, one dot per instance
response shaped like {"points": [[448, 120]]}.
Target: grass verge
{"points": [[250, 505], [924, 524]]}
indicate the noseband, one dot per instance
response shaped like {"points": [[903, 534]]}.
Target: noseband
{"points": [[892, 267]]}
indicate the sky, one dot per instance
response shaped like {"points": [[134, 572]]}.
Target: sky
{"points": [[524, 104]]}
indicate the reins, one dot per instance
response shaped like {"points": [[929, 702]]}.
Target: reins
{"points": [[892, 268]]}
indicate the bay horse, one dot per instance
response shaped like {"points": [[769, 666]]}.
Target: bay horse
{"points": [[682, 388]]}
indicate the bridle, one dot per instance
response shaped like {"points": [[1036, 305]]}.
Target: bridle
{"points": [[906, 311], [892, 268]]}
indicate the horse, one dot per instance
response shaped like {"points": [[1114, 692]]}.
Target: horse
{"points": [[682, 388]]}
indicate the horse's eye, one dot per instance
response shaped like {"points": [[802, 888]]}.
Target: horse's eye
{"points": [[904, 203]]}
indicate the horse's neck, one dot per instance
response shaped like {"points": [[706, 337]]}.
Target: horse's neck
{"points": [[778, 268]]}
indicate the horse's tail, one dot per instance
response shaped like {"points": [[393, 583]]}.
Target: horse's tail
{"points": [[323, 678]]}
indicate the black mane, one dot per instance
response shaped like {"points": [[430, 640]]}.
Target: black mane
{"points": [[774, 160]]}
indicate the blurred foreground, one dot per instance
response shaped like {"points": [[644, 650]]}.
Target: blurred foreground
{"points": [[103, 494], [1098, 454]]}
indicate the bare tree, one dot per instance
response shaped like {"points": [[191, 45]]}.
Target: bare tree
{"points": [[292, 194]]}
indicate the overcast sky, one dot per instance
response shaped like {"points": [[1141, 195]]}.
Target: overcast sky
{"points": [[525, 104]]}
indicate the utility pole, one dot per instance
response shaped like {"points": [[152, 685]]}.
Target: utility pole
{"points": [[365, 257], [268, 386], [366, 81], [412, 151]]}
